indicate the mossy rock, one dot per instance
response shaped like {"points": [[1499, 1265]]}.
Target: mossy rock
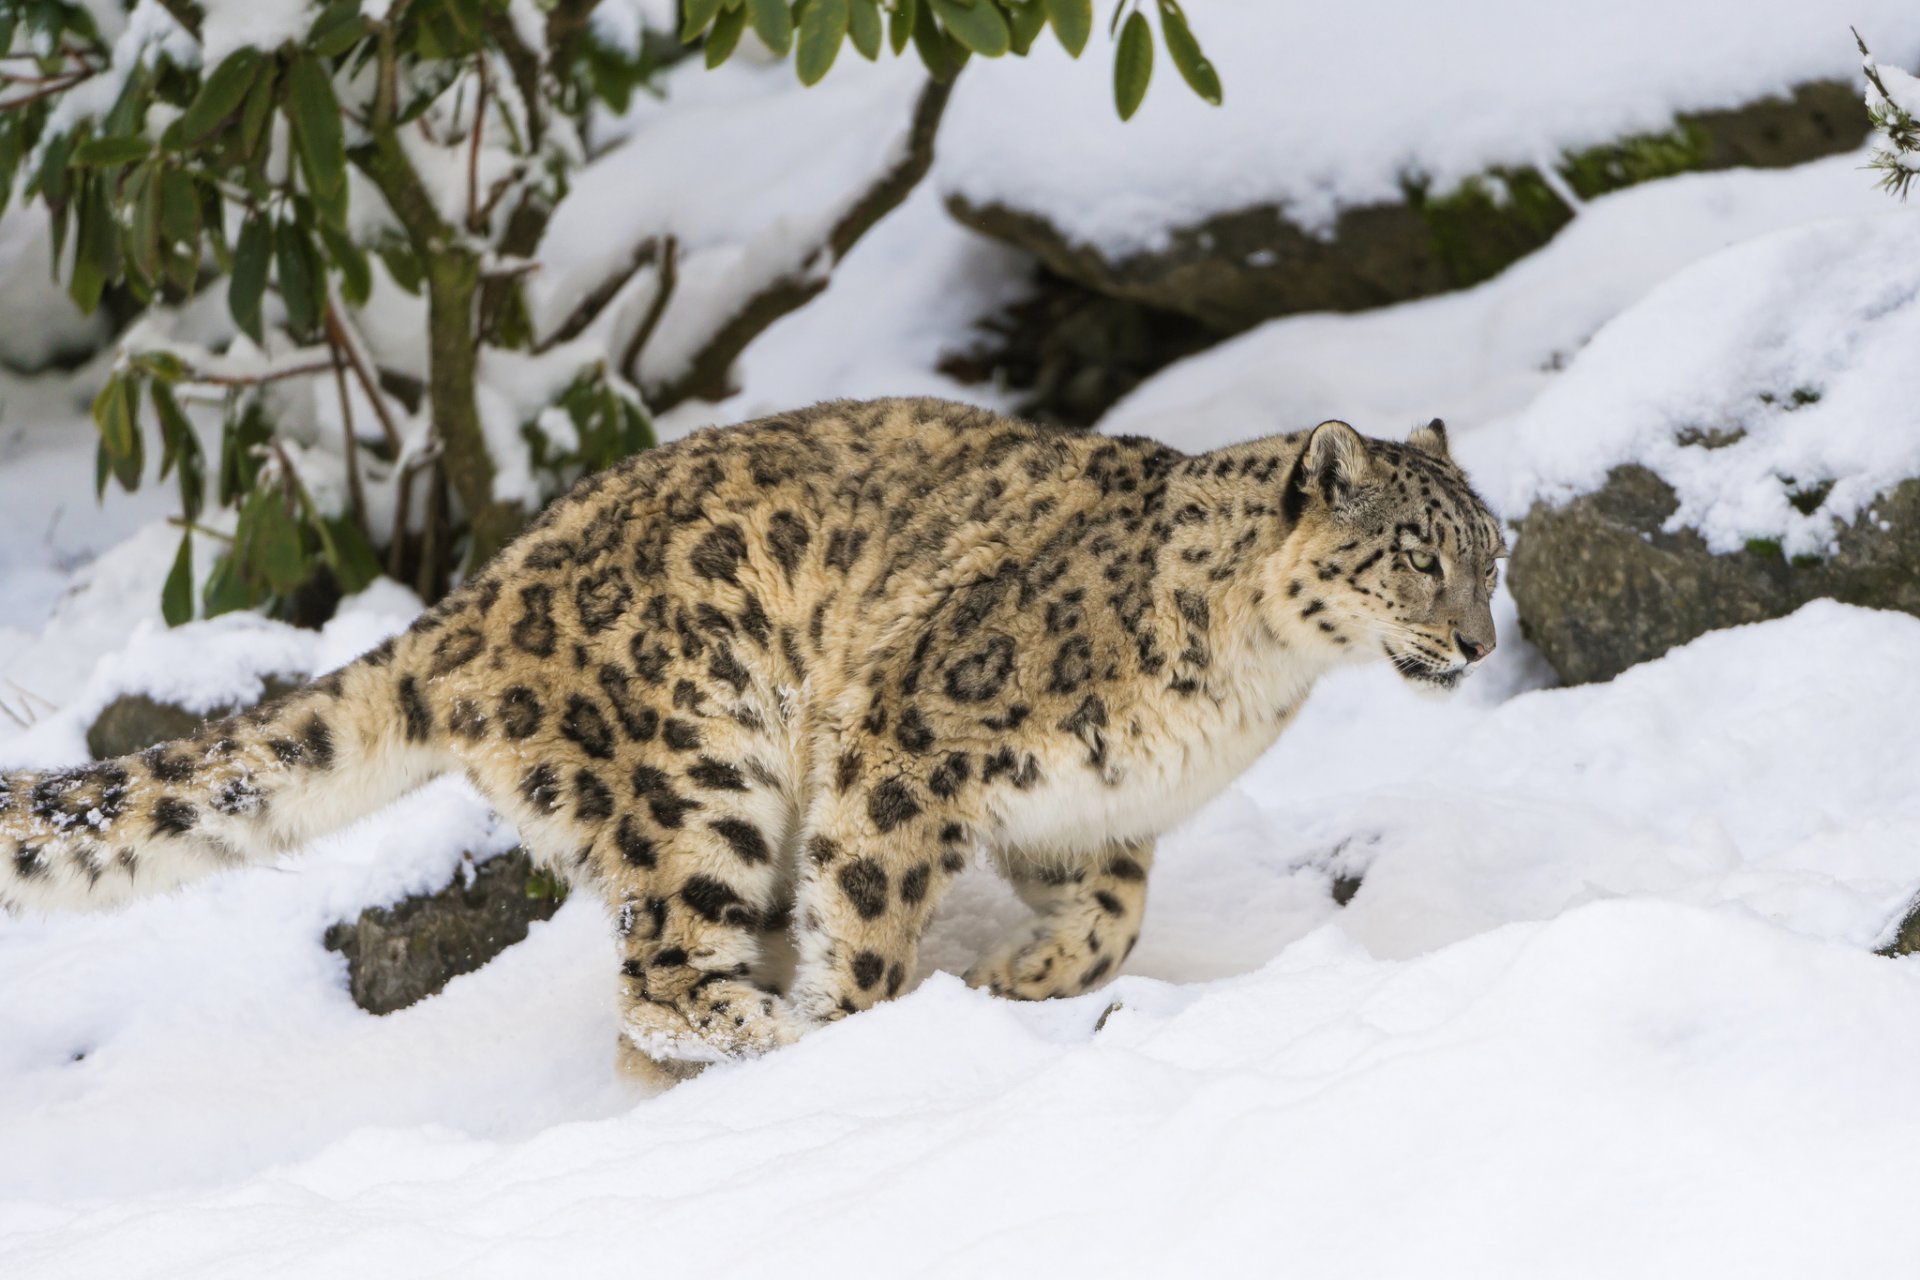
{"points": [[1237, 269], [399, 955], [1600, 585], [133, 721]]}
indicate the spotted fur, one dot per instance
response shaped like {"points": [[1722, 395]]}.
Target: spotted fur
{"points": [[780, 682]]}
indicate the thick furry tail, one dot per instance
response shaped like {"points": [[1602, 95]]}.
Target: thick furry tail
{"points": [[240, 790]]}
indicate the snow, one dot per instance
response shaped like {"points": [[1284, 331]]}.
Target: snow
{"points": [[264, 24], [1802, 340], [1333, 107], [1603, 1005], [743, 129], [1600, 1007], [1479, 357]]}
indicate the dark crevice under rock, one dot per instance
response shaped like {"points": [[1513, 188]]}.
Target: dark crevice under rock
{"points": [[399, 955]]}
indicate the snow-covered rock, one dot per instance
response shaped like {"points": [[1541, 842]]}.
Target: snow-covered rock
{"points": [[1296, 194], [1743, 440]]}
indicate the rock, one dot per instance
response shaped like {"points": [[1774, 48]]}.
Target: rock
{"points": [[402, 954], [1601, 587], [1073, 353], [133, 721], [1242, 267]]}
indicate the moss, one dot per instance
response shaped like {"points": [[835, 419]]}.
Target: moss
{"points": [[1766, 549], [1488, 222], [1635, 159]]}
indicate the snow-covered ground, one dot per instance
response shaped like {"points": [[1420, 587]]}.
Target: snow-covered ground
{"points": [[1603, 1005]]}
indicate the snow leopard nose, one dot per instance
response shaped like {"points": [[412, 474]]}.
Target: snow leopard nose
{"points": [[1474, 649]]}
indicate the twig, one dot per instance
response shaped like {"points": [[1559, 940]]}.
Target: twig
{"points": [[432, 531], [28, 695], [356, 496], [669, 277], [253, 379], [706, 372], [474, 224], [594, 303], [181, 522], [40, 95], [337, 332]]}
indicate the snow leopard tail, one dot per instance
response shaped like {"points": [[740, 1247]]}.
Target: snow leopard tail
{"points": [[240, 790]]}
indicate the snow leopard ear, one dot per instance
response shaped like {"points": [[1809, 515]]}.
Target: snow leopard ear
{"points": [[1337, 461], [1432, 439]]}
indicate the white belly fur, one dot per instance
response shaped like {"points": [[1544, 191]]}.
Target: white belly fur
{"points": [[1185, 754]]}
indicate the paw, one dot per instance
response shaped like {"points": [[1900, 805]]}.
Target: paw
{"points": [[724, 1020], [1039, 967]]}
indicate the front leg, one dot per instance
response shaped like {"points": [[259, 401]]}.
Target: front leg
{"points": [[873, 864], [1089, 919]]}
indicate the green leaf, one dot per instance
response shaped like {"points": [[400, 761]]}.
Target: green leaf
{"points": [[1026, 19], [1132, 65], [725, 36], [255, 114], [179, 208], [356, 278], [96, 251], [179, 444], [699, 15], [863, 19], [823, 25], [402, 266], [900, 25], [942, 55], [144, 191], [347, 552], [249, 280], [176, 432], [100, 153], [773, 23], [337, 29], [273, 549], [53, 179], [978, 26], [1185, 51], [300, 285], [176, 597], [238, 442], [220, 96], [113, 413], [1072, 23], [226, 590], [315, 116]]}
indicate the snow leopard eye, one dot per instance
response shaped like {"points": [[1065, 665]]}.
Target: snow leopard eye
{"points": [[1424, 562]]}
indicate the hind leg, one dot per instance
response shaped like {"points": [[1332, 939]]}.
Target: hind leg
{"points": [[1089, 919], [692, 902]]}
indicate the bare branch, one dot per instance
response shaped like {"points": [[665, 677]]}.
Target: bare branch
{"points": [[356, 495], [669, 277], [706, 374], [343, 343], [474, 222], [594, 303]]}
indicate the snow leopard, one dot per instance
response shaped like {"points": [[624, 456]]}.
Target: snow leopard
{"points": [[770, 688]]}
